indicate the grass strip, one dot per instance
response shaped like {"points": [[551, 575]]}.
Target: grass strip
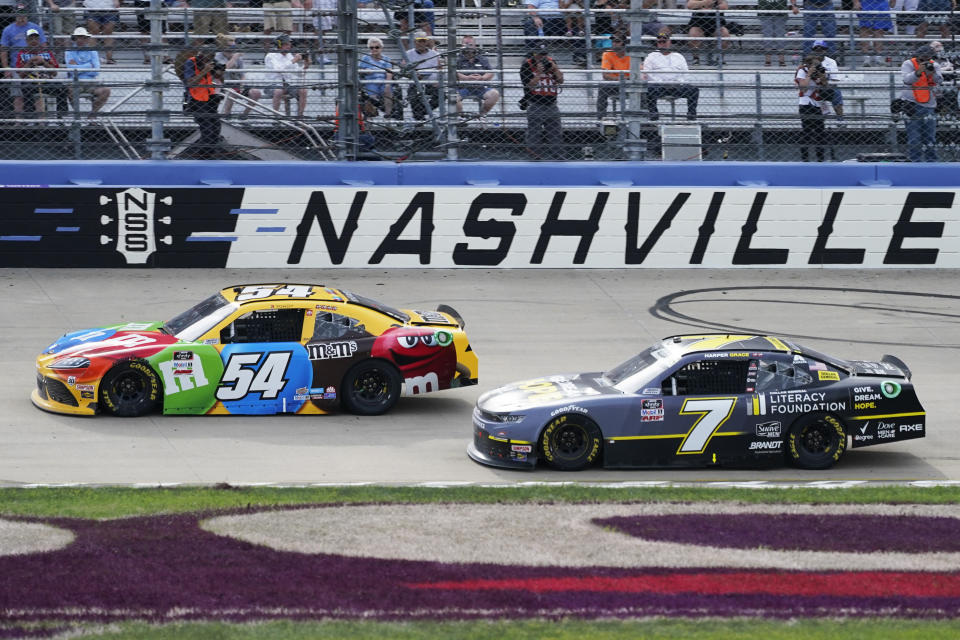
{"points": [[115, 502], [651, 629]]}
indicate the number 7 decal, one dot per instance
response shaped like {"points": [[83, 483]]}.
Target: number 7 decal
{"points": [[713, 413]]}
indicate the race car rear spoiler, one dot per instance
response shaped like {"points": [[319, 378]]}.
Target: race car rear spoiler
{"points": [[898, 363]]}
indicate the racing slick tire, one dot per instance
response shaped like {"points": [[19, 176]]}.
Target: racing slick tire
{"points": [[816, 441], [371, 387], [131, 388], [571, 442]]}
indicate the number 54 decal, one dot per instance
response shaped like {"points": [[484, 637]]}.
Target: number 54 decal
{"points": [[254, 372], [713, 413]]}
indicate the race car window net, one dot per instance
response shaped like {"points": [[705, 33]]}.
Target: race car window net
{"points": [[200, 318], [370, 303], [268, 325], [333, 326], [708, 376]]}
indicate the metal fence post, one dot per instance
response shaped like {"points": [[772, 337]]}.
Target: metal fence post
{"points": [[348, 90], [158, 145]]}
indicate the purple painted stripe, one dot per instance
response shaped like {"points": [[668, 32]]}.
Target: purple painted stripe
{"points": [[212, 239]]}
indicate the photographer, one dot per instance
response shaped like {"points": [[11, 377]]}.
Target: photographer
{"points": [[200, 98], [811, 79], [541, 79], [923, 78]]}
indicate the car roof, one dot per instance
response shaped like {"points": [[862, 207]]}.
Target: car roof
{"points": [[320, 292], [685, 344]]}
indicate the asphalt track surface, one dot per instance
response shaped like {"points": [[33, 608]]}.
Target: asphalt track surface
{"points": [[522, 324]]}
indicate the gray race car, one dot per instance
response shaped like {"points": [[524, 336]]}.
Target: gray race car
{"points": [[688, 401]]}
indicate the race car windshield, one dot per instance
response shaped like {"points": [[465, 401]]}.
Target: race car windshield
{"points": [[370, 303], [214, 308], [649, 360]]}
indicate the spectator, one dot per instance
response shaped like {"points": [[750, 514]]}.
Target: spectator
{"points": [[773, 25], [14, 38], [276, 17], [831, 94], [944, 12], [541, 79], [922, 76], [285, 78], [573, 19], [376, 70], [473, 67], [101, 17], [209, 16], [908, 19], [324, 19], [651, 26], [810, 78], [613, 63], [231, 61], [546, 20], [704, 22], [201, 99], [83, 57], [426, 60], [37, 62], [816, 13], [62, 23], [664, 70], [873, 26], [424, 19], [143, 24]]}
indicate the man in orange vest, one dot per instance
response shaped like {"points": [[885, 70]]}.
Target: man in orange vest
{"points": [[201, 99], [923, 78]]}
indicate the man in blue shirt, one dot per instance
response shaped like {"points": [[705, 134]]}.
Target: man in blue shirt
{"points": [[14, 38], [83, 57]]}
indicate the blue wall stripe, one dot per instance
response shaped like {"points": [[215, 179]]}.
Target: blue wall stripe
{"points": [[240, 211], [21, 238], [68, 228], [271, 229], [212, 238], [53, 210]]}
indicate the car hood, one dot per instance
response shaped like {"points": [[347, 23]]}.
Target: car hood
{"points": [[546, 392], [104, 340]]}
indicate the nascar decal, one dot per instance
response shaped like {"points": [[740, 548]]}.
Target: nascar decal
{"points": [[787, 402]]}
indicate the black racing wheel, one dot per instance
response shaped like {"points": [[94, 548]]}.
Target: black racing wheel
{"points": [[816, 441], [371, 387], [571, 442], [130, 388]]}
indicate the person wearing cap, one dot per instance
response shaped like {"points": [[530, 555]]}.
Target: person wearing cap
{"points": [[616, 65], [37, 62], [472, 67], [541, 79], [63, 20], [829, 94], [231, 61], [87, 59], [201, 99], [923, 79], [666, 74], [102, 16], [811, 79], [426, 60], [14, 38], [285, 75]]}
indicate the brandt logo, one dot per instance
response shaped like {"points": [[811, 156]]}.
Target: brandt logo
{"points": [[135, 238]]}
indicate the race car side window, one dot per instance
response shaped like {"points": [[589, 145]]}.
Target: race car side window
{"points": [[333, 326], [777, 372], [268, 325], [707, 376]]}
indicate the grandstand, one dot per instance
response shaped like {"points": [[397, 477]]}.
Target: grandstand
{"points": [[747, 111]]}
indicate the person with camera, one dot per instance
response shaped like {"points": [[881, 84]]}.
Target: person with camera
{"points": [[923, 79], [831, 94], [201, 98], [541, 79], [811, 78]]}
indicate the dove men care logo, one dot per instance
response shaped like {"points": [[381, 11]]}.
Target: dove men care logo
{"points": [[136, 235]]}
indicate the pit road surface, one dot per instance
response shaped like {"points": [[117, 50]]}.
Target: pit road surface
{"points": [[521, 323]]}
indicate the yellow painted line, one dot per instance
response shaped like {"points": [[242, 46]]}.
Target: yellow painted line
{"points": [[508, 440], [891, 415], [756, 405], [777, 344]]}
